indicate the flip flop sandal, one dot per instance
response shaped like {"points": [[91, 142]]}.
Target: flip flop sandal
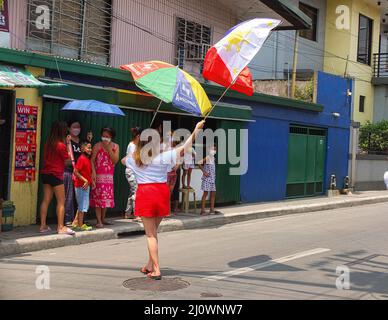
{"points": [[45, 230], [145, 270], [154, 277], [99, 226], [68, 232]]}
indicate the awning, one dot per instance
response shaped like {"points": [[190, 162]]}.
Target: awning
{"points": [[222, 110], [14, 77], [140, 101]]}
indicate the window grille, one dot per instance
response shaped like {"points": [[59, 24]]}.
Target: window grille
{"points": [[78, 29], [193, 41]]}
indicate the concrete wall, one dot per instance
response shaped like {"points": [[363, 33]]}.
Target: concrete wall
{"points": [[370, 172], [278, 88], [130, 44], [266, 178], [341, 45], [24, 194], [278, 50], [380, 111]]}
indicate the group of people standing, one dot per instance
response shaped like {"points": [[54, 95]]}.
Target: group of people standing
{"points": [[81, 175]]}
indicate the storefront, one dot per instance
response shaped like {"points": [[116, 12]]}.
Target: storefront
{"points": [[89, 81], [20, 122], [140, 114], [267, 119]]}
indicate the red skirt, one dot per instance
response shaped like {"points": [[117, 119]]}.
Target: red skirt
{"points": [[152, 200]]}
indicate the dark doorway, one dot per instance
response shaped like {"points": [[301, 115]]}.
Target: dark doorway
{"points": [[5, 141]]}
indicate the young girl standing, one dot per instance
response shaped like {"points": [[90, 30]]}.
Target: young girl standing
{"points": [[188, 166], [208, 168]]}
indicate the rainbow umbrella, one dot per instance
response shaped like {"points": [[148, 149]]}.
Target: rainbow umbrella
{"points": [[171, 85]]}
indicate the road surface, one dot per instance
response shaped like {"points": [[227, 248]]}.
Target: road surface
{"points": [[338, 254]]}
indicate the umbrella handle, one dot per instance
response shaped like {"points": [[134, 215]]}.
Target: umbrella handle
{"points": [[153, 118], [231, 84]]}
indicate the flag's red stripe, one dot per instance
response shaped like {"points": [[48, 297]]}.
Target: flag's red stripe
{"points": [[215, 70]]}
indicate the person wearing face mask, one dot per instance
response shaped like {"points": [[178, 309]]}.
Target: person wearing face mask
{"points": [[74, 147], [208, 167], [130, 176], [105, 155]]}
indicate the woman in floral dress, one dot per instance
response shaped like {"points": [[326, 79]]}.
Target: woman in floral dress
{"points": [[104, 157]]}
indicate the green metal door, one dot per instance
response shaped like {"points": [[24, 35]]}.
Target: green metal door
{"points": [[306, 161], [52, 112], [228, 186]]}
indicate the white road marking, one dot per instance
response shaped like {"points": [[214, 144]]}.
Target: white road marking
{"points": [[269, 263]]}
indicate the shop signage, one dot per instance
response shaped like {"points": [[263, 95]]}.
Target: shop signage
{"points": [[25, 141]]}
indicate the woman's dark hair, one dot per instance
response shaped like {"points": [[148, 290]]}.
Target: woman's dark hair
{"points": [[111, 131], [136, 131], [71, 121], [84, 143], [58, 134]]}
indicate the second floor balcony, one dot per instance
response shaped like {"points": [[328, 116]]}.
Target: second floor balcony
{"points": [[380, 68]]}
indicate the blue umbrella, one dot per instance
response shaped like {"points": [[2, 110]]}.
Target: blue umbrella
{"points": [[94, 106]]}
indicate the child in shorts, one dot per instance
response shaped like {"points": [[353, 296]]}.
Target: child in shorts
{"points": [[188, 166], [82, 182]]}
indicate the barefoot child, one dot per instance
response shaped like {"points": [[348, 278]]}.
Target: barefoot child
{"points": [[82, 182], [188, 166], [208, 168]]}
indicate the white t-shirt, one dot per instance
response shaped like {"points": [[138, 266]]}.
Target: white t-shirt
{"points": [[156, 171], [211, 159], [131, 148], [188, 157]]}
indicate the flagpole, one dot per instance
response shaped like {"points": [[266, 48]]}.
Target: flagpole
{"points": [[232, 83], [152, 121]]}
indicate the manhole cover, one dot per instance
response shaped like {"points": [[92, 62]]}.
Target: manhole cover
{"points": [[145, 284], [211, 295]]}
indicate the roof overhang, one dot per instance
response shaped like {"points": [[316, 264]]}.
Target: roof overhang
{"points": [[15, 77], [136, 98], [292, 17]]}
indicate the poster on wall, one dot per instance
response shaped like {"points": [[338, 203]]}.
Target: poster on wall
{"points": [[4, 24], [25, 141], [4, 21]]}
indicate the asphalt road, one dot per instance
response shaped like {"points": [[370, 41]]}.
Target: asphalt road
{"points": [[304, 256]]}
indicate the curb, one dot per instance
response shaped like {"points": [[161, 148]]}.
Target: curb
{"points": [[24, 245]]}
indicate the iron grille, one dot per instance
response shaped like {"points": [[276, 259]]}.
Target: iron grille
{"points": [[77, 29]]}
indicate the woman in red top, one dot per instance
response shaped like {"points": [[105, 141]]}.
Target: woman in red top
{"points": [[55, 157]]}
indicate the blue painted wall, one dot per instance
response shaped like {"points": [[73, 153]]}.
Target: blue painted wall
{"points": [[268, 140]]}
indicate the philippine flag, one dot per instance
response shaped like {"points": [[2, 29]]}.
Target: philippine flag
{"points": [[226, 62]]}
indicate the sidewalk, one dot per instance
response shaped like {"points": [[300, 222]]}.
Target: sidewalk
{"points": [[27, 239]]}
